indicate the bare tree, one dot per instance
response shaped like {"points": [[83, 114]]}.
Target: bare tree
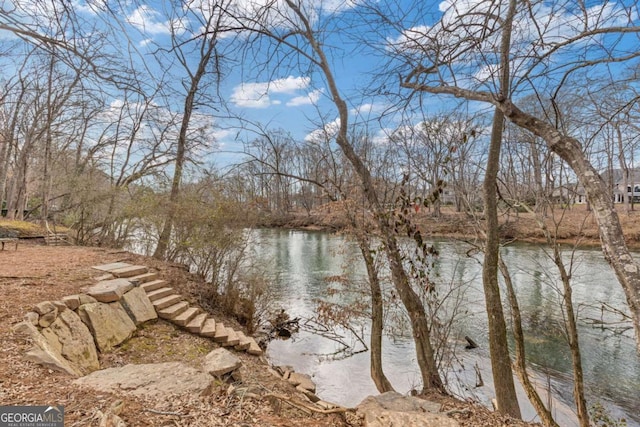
{"points": [[459, 66], [293, 26], [200, 42]]}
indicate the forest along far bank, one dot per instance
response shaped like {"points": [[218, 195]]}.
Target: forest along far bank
{"points": [[574, 225]]}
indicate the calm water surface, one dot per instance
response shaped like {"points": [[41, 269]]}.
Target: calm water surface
{"points": [[299, 262]]}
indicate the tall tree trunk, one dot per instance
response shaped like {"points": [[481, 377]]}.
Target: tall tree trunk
{"points": [[377, 310], [520, 360], [498, 345]]}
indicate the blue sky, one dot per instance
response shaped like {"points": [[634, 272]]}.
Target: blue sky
{"points": [[295, 98]]}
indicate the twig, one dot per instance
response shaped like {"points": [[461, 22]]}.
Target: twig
{"points": [[458, 412], [155, 411], [306, 408]]}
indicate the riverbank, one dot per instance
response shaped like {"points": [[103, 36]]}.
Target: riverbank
{"points": [[573, 226], [35, 273]]}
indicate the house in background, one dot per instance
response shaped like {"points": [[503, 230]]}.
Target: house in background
{"points": [[574, 192], [617, 181]]}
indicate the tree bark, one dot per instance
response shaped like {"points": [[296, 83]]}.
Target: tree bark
{"points": [[377, 373], [498, 345], [520, 360]]}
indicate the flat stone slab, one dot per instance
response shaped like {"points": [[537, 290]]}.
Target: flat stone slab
{"points": [[221, 333], [109, 323], [112, 266], [394, 409], [196, 325], [185, 317], [130, 271], [150, 380], [138, 306], [221, 361], [254, 349], [244, 343], [232, 338], [208, 328], [173, 311], [110, 290], [153, 285], [143, 278]]}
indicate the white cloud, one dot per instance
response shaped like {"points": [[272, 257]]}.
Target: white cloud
{"points": [[149, 21], [326, 133], [258, 95], [310, 98]]}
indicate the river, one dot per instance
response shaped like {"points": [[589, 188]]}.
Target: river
{"points": [[300, 261]]}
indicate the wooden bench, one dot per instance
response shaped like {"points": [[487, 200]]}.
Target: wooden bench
{"points": [[4, 240]]}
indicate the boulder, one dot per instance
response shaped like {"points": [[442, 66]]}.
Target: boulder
{"points": [[221, 361], [61, 306], [48, 318], [74, 340], [72, 301], [303, 381], [44, 307], [43, 352], [47, 311], [109, 323], [138, 306], [110, 290], [150, 381], [393, 409], [86, 299], [32, 317]]}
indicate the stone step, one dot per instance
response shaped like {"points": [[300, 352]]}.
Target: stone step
{"points": [[196, 324], [244, 343], [143, 278], [166, 302], [159, 293], [153, 285], [254, 348], [232, 339], [134, 270], [221, 333], [173, 311], [186, 316], [111, 266], [209, 328]]}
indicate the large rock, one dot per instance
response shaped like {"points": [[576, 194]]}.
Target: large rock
{"points": [[74, 341], [138, 306], [47, 311], [109, 324], [221, 361], [152, 380], [110, 290], [43, 352], [303, 381], [71, 301], [393, 409]]}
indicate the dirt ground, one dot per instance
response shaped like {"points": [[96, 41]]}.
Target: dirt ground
{"points": [[36, 273]]}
